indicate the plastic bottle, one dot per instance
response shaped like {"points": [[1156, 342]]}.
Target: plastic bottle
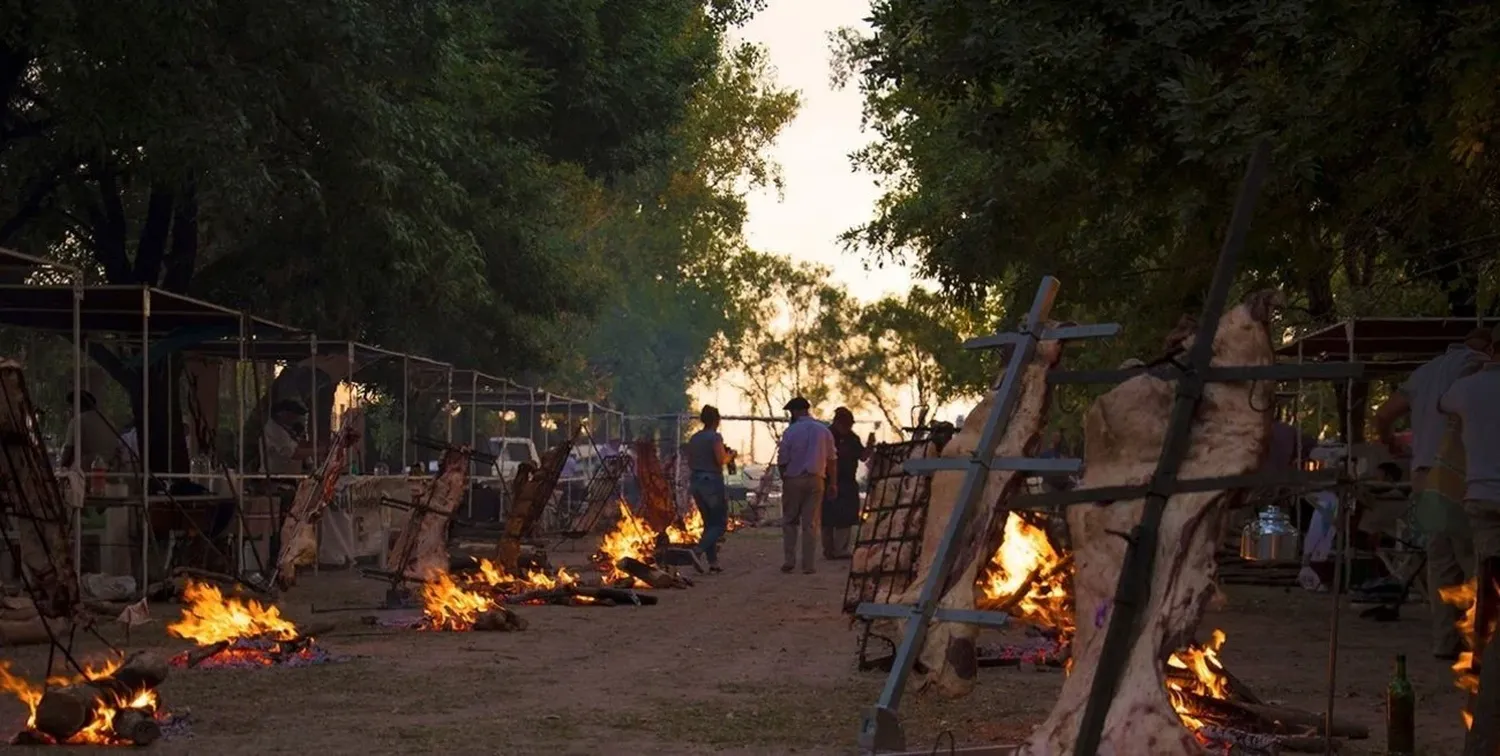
{"points": [[98, 476]]}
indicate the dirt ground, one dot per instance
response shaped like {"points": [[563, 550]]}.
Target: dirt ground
{"points": [[747, 662]]}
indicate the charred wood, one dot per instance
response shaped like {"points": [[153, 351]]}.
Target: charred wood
{"points": [[64, 712]]}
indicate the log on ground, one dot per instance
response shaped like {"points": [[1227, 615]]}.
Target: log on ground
{"points": [[65, 711], [499, 619], [650, 575]]}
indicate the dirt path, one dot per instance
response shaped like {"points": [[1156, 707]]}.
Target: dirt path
{"points": [[747, 662]]}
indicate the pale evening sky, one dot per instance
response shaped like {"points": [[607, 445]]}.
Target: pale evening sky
{"points": [[823, 194]]}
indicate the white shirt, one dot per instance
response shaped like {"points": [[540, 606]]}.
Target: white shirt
{"points": [[96, 440], [280, 457]]}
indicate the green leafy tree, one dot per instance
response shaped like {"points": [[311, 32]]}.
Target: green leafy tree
{"points": [[1102, 143]]}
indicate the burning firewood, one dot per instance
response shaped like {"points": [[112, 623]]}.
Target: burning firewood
{"points": [[948, 660], [239, 632], [117, 705], [1124, 431], [446, 605], [650, 575]]}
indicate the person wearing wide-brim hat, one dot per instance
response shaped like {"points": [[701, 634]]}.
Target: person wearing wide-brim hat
{"points": [[808, 469]]}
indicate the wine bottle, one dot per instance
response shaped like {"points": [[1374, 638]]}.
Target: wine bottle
{"points": [[1400, 713]]}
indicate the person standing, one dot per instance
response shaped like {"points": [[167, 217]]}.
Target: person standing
{"points": [[1448, 548], [1474, 401], [807, 461], [91, 437], [285, 451], [841, 501], [706, 456]]}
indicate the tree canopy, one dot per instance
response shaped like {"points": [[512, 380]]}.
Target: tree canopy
{"points": [[547, 189], [1101, 142]]}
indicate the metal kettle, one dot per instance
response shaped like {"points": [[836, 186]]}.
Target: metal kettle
{"points": [[1271, 536]]}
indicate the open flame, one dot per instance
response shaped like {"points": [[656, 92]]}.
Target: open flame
{"points": [[446, 605], [210, 618], [1464, 597], [1196, 670], [100, 730], [1026, 561], [235, 632], [691, 531], [631, 537]]}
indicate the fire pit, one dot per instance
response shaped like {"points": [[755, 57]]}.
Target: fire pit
{"points": [[115, 705], [449, 606], [627, 555], [479, 599], [240, 633]]}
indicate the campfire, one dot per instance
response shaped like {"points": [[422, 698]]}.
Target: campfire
{"points": [[1027, 578], [241, 633], [114, 705], [627, 553], [449, 606], [1464, 675]]}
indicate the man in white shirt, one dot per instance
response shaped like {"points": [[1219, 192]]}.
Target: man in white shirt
{"points": [[284, 451], [96, 438]]}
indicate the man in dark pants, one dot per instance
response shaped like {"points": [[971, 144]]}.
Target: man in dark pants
{"points": [[706, 457], [841, 503]]}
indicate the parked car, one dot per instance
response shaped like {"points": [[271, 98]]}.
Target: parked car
{"points": [[510, 452]]}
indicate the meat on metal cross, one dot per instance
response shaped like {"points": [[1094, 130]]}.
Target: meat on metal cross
{"points": [[881, 729]]}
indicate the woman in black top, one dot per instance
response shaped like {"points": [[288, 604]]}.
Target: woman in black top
{"points": [[841, 511]]}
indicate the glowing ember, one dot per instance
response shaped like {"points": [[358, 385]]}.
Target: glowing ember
{"points": [[210, 618], [1200, 674], [1027, 561], [1464, 675], [448, 606], [100, 730]]}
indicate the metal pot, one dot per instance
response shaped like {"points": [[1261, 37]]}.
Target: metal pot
{"points": [[1271, 536]]}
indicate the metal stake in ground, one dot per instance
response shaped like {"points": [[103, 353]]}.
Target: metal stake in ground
{"points": [[1134, 589], [881, 728]]}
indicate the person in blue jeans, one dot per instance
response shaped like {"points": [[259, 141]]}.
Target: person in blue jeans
{"points": [[706, 457]]}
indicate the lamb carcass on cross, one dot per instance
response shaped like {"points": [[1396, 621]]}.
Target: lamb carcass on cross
{"points": [[1124, 430], [948, 662]]}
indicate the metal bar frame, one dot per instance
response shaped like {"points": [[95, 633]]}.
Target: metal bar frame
{"points": [[881, 728], [1133, 592]]}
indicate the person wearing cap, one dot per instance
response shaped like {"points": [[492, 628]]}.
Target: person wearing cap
{"points": [[841, 502], [284, 451], [808, 471], [706, 456], [1450, 546]]}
